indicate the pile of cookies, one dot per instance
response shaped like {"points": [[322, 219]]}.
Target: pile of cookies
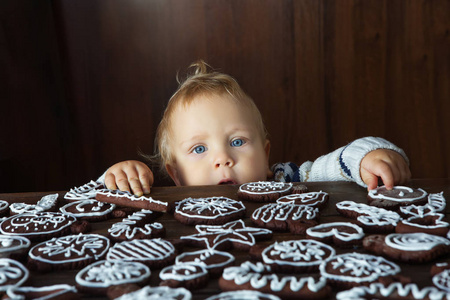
{"points": [[394, 226]]}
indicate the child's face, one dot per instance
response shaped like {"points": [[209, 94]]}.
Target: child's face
{"points": [[216, 141]]}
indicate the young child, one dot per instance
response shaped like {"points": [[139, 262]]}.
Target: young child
{"points": [[212, 133]]}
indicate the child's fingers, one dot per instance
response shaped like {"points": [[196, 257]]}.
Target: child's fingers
{"points": [[110, 181], [371, 180], [145, 178]]}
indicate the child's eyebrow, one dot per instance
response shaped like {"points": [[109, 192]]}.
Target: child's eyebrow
{"points": [[192, 139]]}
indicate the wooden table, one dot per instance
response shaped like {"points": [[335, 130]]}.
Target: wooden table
{"points": [[338, 191]]}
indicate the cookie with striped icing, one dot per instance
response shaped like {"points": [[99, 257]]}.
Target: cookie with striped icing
{"points": [[209, 210], [397, 197], [264, 191], [86, 191]]}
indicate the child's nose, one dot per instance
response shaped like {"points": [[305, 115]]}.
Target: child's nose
{"points": [[223, 160]]}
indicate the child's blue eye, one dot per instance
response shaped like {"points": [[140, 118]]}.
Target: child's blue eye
{"points": [[199, 149], [237, 143]]}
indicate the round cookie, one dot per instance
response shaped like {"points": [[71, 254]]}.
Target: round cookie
{"points": [[397, 197], [37, 226], [52, 292], [243, 295], [97, 277], [314, 199], [155, 253], [214, 261], [259, 277], [12, 274], [68, 252], [89, 210], [342, 234], [264, 191], [4, 208], [157, 292], [187, 275], [348, 270], [15, 247], [210, 210]]}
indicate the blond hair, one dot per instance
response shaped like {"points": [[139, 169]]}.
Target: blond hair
{"points": [[202, 81]]}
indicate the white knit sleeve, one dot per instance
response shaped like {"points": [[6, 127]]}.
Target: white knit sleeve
{"points": [[344, 163]]}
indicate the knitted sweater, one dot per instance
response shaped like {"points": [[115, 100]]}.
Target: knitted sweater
{"points": [[341, 164]]}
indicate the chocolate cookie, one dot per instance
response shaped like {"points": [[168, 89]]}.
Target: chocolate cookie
{"points": [[342, 234], [127, 199], [12, 274], [398, 196], [187, 275], [51, 292], [348, 270], [68, 252], [214, 261], [442, 280], [408, 247], [15, 247], [46, 203], [286, 216], [210, 210], [89, 210], [314, 199], [157, 292], [259, 277], [86, 191], [243, 295], [4, 208], [264, 191]]}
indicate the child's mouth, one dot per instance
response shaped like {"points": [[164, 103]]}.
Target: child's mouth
{"points": [[227, 181]]}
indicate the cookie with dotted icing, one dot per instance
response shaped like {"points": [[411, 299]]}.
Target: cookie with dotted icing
{"points": [[89, 210], [210, 210], [264, 191], [37, 226], [408, 247], [13, 246], [348, 270], [68, 252], [260, 277], [86, 191], [138, 225], [46, 203], [97, 277], [295, 256], [221, 237], [50, 292], [243, 295], [186, 275], [394, 290], [370, 218], [442, 280], [342, 234], [397, 197], [213, 260], [155, 253], [122, 198], [12, 274], [314, 199], [157, 292], [286, 216]]}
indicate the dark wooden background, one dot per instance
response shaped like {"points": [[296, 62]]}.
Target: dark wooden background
{"points": [[83, 83]]}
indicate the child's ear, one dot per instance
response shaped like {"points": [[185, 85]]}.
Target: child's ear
{"points": [[173, 173]]}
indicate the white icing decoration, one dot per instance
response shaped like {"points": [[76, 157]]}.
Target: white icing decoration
{"points": [[265, 187], [97, 208], [442, 280], [74, 248], [9, 243], [204, 255], [183, 272], [157, 293], [102, 274], [141, 250], [218, 206], [52, 291], [243, 295], [401, 192], [357, 267], [86, 191], [333, 231], [436, 203], [362, 292], [3, 204], [257, 276], [417, 241], [310, 199], [129, 196], [129, 226], [12, 270], [284, 211], [370, 215]]}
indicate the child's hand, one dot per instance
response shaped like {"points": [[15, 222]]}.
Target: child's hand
{"points": [[131, 176], [389, 165]]}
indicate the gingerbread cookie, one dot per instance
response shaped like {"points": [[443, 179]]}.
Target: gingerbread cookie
{"points": [[214, 261], [348, 270], [52, 292], [157, 292], [210, 210], [127, 199], [342, 234], [314, 199], [442, 280], [232, 234], [394, 290], [4, 208], [431, 223], [408, 247], [89, 210], [296, 256], [187, 275], [12, 274], [264, 191], [97, 277], [68, 252], [436, 203], [243, 295], [397, 197], [370, 218], [37, 226], [286, 216], [13, 246], [86, 191], [259, 277], [46, 203], [136, 226], [155, 253]]}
